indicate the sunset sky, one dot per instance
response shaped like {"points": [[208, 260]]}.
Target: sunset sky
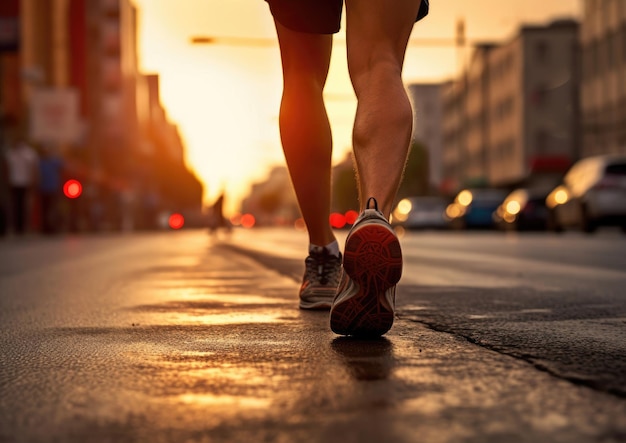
{"points": [[225, 96]]}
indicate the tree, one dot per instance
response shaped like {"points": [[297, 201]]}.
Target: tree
{"points": [[416, 173], [344, 189]]}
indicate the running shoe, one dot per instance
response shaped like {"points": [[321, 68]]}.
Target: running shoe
{"points": [[372, 265], [321, 278]]}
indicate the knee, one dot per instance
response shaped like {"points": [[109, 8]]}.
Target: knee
{"points": [[306, 85], [375, 70]]}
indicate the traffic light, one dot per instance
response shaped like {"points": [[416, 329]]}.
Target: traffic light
{"points": [[72, 188]]}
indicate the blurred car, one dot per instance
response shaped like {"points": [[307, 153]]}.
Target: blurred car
{"points": [[426, 212], [474, 208], [523, 209], [593, 194]]}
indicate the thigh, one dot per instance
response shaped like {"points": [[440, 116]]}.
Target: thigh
{"points": [[304, 56], [310, 16], [378, 30]]}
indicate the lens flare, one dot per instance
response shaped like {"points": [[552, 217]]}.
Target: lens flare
{"points": [[248, 221], [405, 206], [72, 188], [465, 197], [513, 207], [176, 221], [351, 216], [561, 196], [337, 220]]}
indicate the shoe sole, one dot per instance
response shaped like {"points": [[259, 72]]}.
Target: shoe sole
{"points": [[320, 299], [315, 306], [373, 260]]}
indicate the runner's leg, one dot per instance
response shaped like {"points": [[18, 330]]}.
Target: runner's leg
{"points": [[304, 126], [377, 36]]}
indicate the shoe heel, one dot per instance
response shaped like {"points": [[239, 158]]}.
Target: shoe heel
{"points": [[373, 258]]}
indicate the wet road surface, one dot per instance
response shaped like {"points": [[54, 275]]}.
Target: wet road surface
{"points": [[175, 337]]}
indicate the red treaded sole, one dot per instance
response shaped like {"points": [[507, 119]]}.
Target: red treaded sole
{"points": [[373, 260]]}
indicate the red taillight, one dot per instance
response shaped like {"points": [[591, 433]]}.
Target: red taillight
{"points": [[351, 216], [337, 220]]}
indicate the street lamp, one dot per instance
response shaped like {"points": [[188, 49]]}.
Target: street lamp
{"points": [[459, 40], [233, 41]]}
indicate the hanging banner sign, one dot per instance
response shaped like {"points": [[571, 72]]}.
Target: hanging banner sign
{"points": [[54, 116]]}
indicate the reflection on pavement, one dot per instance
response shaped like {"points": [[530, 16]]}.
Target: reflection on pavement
{"points": [[366, 359]]}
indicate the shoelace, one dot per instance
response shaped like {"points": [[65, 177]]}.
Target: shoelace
{"points": [[322, 267]]}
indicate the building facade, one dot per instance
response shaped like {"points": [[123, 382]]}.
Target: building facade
{"points": [[476, 155], [71, 84], [426, 100], [452, 128], [11, 105], [512, 117], [272, 201], [603, 89]]}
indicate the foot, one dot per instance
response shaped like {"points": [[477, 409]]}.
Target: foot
{"points": [[365, 301], [321, 278]]}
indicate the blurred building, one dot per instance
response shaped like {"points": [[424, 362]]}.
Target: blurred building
{"points": [[426, 100], [70, 81], [344, 193], [603, 91], [453, 142], [273, 200], [512, 116], [161, 173], [10, 84], [476, 112]]}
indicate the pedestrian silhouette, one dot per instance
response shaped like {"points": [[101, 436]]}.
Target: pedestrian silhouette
{"points": [[50, 189], [217, 221], [22, 168], [4, 193]]}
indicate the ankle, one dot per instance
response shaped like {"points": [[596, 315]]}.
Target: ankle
{"points": [[322, 240], [332, 248]]}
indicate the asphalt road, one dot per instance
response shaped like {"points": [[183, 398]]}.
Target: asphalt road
{"points": [[555, 301], [179, 337]]}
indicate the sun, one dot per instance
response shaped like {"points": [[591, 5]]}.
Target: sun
{"points": [[225, 102]]}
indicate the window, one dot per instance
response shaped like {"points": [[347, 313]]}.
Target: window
{"points": [[616, 169], [611, 50], [587, 62], [624, 43], [542, 51], [592, 59], [598, 58], [541, 141], [622, 123], [539, 95]]}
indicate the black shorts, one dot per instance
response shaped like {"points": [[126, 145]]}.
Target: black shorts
{"points": [[316, 16]]}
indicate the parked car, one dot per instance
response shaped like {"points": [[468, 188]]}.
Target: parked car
{"points": [[593, 194], [474, 208], [523, 209], [427, 212]]}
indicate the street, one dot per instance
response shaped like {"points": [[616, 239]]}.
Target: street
{"points": [[179, 336]]}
